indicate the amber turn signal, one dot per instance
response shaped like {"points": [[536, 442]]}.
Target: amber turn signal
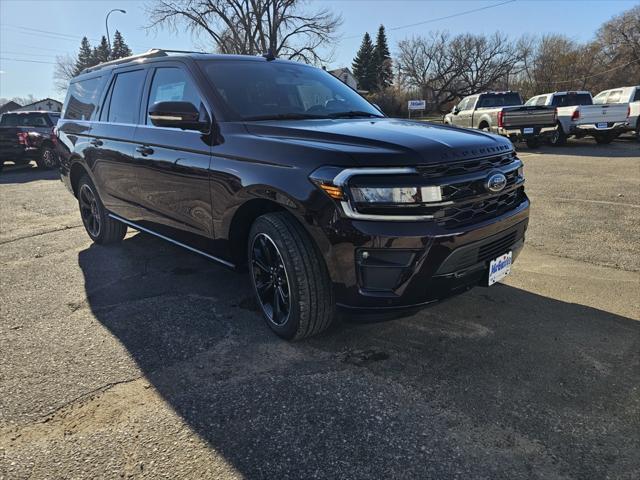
{"points": [[333, 191]]}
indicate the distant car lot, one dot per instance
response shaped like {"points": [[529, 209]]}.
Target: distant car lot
{"points": [[144, 360]]}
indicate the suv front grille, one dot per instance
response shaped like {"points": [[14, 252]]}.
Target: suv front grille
{"points": [[473, 212], [468, 166]]}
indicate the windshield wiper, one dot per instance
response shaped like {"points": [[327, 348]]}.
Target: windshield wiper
{"points": [[285, 116], [352, 114]]}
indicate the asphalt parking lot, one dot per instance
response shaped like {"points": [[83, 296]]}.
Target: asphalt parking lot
{"points": [[143, 360]]}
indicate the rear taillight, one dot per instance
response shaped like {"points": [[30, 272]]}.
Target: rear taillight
{"points": [[575, 115], [23, 138], [500, 119]]}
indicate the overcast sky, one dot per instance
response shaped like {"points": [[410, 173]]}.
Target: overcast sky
{"points": [[33, 32]]}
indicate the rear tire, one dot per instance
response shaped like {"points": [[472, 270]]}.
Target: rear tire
{"points": [[47, 159], [604, 139], [99, 225], [289, 277], [558, 137]]}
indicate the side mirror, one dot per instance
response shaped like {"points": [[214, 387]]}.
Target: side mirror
{"points": [[182, 115], [455, 110]]}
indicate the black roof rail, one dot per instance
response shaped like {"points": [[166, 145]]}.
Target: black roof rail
{"points": [[151, 53]]}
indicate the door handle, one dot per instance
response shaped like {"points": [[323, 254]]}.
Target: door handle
{"points": [[96, 142], [144, 151]]}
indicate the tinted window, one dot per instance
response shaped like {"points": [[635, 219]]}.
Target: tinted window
{"points": [[24, 120], [261, 89], [499, 100], [172, 85], [572, 99], [636, 97], [125, 97], [82, 99]]}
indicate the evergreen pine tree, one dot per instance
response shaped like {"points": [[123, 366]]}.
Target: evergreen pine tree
{"points": [[84, 59], [119, 48], [101, 52], [382, 61], [364, 65]]}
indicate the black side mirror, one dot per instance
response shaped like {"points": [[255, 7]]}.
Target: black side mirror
{"points": [[455, 110], [182, 115]]}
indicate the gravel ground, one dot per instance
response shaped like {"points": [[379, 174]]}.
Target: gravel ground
{"points": [[142, 360]]}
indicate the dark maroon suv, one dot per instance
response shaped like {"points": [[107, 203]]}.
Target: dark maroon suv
{"points": [[281, 167]]}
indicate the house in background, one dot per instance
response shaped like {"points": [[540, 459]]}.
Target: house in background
{"points": [[10, 106], [346, 76], [46, 104]]}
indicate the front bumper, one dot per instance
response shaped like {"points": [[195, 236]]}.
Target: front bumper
{"points": [[410, 264]]}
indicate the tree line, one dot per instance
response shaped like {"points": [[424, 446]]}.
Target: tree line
{"points": [[68, 67]]}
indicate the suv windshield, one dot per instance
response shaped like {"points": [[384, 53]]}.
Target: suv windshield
{"points": [[24, 120], [261, 90], [499, 100], [571, 99]]}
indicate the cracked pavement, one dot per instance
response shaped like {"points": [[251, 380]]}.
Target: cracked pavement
{"points": [[142, 360]]}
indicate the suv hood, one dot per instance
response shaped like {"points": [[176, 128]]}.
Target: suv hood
{"points": [[384, 141]]}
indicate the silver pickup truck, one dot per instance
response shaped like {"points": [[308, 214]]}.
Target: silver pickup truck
{"points": [[504, 113]]}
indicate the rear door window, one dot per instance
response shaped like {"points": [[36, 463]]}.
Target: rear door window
{"points": [[124, 102], [82, 99], [571, 99], [541, 100], [499, 100]]}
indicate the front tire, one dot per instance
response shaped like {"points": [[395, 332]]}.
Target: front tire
{"points": [[289, 276], [99, 225], [47, 159]]}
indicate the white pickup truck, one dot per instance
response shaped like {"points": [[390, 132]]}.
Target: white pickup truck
{"points": [[578, 116], [628, 95]]}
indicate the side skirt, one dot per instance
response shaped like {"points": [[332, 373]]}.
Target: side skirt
{"points": [[175, 242]]}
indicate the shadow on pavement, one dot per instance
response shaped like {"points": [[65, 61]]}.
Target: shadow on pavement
{"points": [[587, 147], [497, 383], [26, 173]]}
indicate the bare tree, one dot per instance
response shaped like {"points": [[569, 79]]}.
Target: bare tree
{"points": [[445, 69], [251, 27], [64, 70]]}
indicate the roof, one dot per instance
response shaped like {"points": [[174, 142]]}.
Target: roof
{"points": [[339, 71], [156, 53], [26, 112], [10, 105], [40, 101]]}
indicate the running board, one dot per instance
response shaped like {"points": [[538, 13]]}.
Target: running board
{"points": [[175, 242]]}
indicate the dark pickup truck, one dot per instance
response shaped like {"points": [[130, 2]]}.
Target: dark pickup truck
{"points": [[504, 113], [281, 169], [26, 136]]}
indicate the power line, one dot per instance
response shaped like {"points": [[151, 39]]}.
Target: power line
{"points": [[466, 12], [26, 61]]}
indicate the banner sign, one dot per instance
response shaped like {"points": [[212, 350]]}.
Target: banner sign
{"points": [[417, 105]]}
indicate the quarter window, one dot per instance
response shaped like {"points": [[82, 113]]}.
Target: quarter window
{"points": [[172, 84], [82, 99], [125, 97]]}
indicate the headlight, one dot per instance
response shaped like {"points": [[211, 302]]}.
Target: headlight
{"points": [[397, 195]]}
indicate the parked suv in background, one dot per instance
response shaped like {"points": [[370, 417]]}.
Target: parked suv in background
{"points": [[26, 136], [579, 117], [281, 167], [624, 95], [504, 114]]}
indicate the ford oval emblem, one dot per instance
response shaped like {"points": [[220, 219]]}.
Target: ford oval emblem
{"points": [[496, 182]]}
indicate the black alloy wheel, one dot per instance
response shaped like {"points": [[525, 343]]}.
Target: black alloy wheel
{"points": [[48, 158], [89, 210], [270, 279]]}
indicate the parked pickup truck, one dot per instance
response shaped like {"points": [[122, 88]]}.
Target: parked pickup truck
{"points": [[628, 95], [505, 114], [26, 136], [579, 117]]}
